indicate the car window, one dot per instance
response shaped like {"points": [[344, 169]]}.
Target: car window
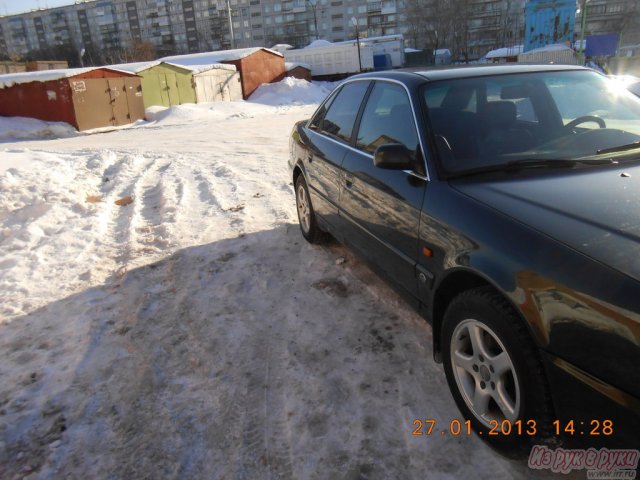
{"points": [[516, 92], [341, 115], [545, 115], [596, 97], [460, 97], [316, 121], [387, 118]]}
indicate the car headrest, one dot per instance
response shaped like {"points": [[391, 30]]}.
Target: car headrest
{"points": [[501, 113]]}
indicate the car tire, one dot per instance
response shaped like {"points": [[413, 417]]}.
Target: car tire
{"points": [[306, 215], [494, 371]]}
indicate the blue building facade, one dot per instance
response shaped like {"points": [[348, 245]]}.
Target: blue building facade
{"points": [[547, 22]]}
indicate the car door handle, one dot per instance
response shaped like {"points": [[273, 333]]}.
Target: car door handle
{"points": [[348, 180]]}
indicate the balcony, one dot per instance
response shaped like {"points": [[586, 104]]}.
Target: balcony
{"points": [[374, 7]]}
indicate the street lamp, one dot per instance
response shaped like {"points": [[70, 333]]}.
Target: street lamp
{"points": [[354, 21], [583, 25]]}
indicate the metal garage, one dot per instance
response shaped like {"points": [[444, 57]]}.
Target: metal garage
{"points": [[166, 84], [217, 82], [84, 97], [255, 65]]}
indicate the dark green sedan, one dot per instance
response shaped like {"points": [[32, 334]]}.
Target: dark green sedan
{"points": [[504, 204]]}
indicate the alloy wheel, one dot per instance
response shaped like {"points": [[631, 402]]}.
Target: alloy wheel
{"points": [[484, 373]]}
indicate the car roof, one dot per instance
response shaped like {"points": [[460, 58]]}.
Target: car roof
{"points": [[466, 71]]}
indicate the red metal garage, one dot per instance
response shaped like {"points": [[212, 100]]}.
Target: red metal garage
{"points": [[298, 70], [85, 97]]}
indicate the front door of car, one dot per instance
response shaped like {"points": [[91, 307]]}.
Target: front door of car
{"points": [[381, 206], [328, 136]]}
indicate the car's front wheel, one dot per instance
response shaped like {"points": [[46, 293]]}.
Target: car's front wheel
{"points": [[306, 216], [494, 371]]}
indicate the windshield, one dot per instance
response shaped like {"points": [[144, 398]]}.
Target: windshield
{"points": [[498, 120]]}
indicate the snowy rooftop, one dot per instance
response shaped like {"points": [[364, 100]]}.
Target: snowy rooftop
{"points": [[319, 44], [279, 47], [11, 79], [556, 47], [135, 67], [291, 65], [505, 52], [363, 40], [142, 66], [207, 58]]}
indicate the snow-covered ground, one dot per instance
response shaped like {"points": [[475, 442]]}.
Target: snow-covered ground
{"points": [[162, 317]]}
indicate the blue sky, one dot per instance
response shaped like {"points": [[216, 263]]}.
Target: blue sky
{"points": [[9, 7]]}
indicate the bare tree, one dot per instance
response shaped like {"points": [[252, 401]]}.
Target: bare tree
{"points": [[439, 24], [629, 23]]}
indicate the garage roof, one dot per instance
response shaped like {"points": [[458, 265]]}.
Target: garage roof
{"points": [[11, 79], [208, 58]]}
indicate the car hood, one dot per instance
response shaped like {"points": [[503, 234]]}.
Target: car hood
{"points": [[594, 211]]}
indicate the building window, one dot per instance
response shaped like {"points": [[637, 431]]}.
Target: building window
{"points": [[616, 8]]}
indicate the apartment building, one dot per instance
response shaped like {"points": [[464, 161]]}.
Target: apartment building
{"points": [[611, 16], [495, 24], [106, 30]]}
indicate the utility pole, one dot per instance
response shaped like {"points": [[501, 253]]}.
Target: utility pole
{"points": [[314, 6], [583, 25], [354, 20], [233, 41]]}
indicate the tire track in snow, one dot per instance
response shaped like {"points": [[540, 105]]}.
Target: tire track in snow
{"points": [[140, 231], [265, 451], [218, 188]]}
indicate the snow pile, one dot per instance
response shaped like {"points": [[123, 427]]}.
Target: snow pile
{"points": [[22, 128], [187, 112], [290, 91], [190, 113]]}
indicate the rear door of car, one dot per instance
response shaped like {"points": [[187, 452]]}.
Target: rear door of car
{"points": [[381, 207], [328, 136]]}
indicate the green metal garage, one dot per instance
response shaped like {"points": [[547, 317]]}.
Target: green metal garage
{"points": [[166, 84]]}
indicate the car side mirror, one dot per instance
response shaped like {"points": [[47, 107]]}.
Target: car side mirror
{"points": [[393, 156]]}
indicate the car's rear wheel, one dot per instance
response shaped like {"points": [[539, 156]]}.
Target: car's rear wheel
{"points": [[494, 371], [306, 216]]}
